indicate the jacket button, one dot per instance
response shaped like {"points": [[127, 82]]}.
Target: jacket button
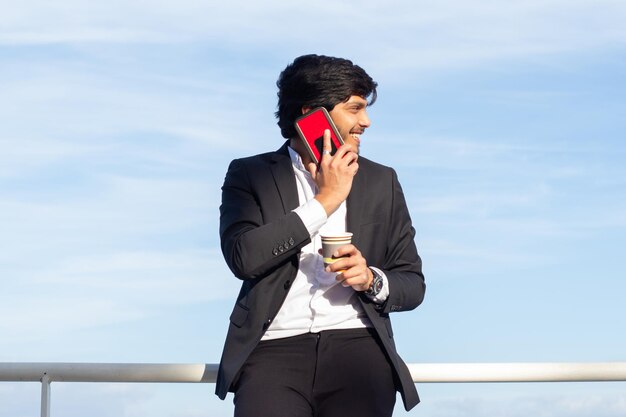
{"points": [[281, 249], [291, 241], [287, 285], [275, 251]]}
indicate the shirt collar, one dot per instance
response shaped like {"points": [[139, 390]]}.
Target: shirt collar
{"points": [[296, 160]]}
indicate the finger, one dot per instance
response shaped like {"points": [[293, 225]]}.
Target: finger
{"points": [[341, 278], [326, 144], [346, 148], [356, 282], [356, 275], [340, 265], [351, 157], [346, 250], [354, 167], [346, 157]]}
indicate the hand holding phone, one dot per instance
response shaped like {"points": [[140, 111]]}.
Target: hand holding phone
{"points": [[311, 127], [334, 174]]}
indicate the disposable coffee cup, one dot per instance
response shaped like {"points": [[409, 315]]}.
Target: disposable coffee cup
{"points": [[332, 242]]}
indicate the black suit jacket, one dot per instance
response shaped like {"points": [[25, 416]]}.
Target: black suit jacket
{"points": [[261, 238]]}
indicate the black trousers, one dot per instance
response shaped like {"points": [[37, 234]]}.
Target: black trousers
{"points": [[340, 373]]}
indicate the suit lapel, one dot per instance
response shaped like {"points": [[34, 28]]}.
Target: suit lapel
{"points": [[284, 178], [357, 199]]}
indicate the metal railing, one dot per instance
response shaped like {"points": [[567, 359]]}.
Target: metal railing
{"points": [[46, 373]]}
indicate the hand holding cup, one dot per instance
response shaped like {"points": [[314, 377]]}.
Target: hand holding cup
{"points": [[332, 242]]}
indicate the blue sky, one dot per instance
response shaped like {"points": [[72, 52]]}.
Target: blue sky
{"points": [[504, 121]]}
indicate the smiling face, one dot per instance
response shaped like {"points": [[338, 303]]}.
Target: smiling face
{"points": [[351, 119]]}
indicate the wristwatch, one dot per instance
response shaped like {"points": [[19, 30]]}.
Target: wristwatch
{"points": [[377, 284]]}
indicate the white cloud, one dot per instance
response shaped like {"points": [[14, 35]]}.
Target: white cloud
{"points": [[404, 34], [69, 100], [112, 211], [474, 254], [77, 112], [593, 405], [25, 154], [586, 404], [163, 278], [83, 292]]}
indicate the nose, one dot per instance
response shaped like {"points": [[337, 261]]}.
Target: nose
{"points": [[364, 120]]}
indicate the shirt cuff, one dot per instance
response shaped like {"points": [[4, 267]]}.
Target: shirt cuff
{"points": [[384, 291], [313, 215]]}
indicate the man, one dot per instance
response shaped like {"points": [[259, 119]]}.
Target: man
{"points": [[305, 340]]}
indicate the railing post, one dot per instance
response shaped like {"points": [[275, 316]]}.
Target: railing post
{"points": [[45, 396]]}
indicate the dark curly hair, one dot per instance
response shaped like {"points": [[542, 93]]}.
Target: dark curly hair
{"points": [[318, 81]]}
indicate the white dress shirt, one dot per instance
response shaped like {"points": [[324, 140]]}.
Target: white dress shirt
{"points": [[316, 300]]}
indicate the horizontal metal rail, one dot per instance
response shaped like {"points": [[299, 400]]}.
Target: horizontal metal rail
{"points": [[519, 372], [108, 372], [421, 372], [206, 373]]}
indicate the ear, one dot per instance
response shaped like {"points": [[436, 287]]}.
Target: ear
{"points": [[305, 109]]}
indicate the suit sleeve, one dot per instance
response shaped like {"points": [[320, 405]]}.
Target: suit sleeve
{"points": [[403, 265], [256, 235]]}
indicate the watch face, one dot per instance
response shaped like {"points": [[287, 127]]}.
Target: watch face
{"points": [[377, 285]]}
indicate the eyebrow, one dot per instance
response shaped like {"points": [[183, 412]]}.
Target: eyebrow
{"points": [[356, 102]]}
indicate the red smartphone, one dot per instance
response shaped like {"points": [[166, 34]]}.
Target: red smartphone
{"points": [[310, 127]]}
